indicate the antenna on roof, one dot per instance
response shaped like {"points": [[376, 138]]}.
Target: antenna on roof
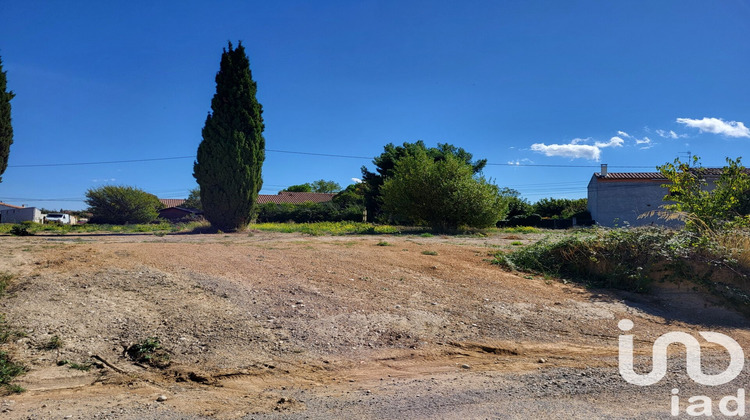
{"points": [[689, 157]]}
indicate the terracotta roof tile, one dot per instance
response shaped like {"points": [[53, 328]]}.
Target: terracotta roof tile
{"points": [[10, 205], [655, 176], [172, 202], [286, 197], [648, 176]]}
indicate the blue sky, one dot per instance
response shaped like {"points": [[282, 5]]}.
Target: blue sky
{"points": [[532, 83]]}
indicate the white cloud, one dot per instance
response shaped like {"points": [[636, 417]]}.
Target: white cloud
{"points": [[576, 149], [717, 126], [519, 162], [645, 143], [613, 142], [104, 180], [670, 134], [356, 180], [623, 134]]}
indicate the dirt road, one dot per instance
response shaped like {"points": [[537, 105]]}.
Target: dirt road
{"points": [[267, 325]]}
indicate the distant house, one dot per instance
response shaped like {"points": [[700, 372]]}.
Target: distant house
{"points": [[619, 198], [15, 214], [624, 198], [286, 197], [178, 213], [172, 202]]}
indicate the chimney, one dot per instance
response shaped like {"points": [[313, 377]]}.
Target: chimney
{"points": [[604, 170]]}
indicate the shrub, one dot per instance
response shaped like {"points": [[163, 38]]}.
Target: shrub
{"points": [[443, 194], [119, 205], [308, 213], [9, 370], [627, 259], [20, 230], [149, 351]]}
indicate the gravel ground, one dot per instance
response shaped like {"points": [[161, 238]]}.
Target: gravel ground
{"points": [[272, 326]]}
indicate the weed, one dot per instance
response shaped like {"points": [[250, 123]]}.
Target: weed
{"points": [[55, 342], [426, 235], [20, 230], [429, 252], [328, 228], [149, 351], [5, 279], [516, 243], [383, 243], [77, 366], [8, 371]]}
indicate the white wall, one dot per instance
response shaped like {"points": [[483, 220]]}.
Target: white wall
{"points": [[618, 203], [25, 214]]}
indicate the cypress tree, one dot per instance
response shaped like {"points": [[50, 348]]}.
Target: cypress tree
{"points": [[231, 154], [6, 130]]}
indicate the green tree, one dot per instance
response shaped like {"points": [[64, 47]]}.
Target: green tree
{"points": [[444, 194], [6, 129], [323, 186], [193, 201], [121, 205], [517, 206], [560, 208], [690, 192], [386, 162], [230, 157], [353, 195], [299, 188]]}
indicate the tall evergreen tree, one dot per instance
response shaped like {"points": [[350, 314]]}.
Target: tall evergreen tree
{"points": [[6, 130], [231, 155]]}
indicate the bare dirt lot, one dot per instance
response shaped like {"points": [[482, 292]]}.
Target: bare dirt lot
{"points": [[268, 325]]}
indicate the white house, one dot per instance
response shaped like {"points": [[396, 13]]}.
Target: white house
{"points": [[15, 214], [623, 198]]}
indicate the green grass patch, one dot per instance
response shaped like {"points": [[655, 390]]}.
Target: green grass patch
{"points": [[149, 351], [54, 343], [429, 252], [5, 279], [629, 259], [426, 235], [9, 370], [383, 243], [158, 228], [77, 366], [517, 229], [328, 228]]}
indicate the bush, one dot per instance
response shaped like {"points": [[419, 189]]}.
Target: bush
{"points": [[308, 213], [627, 259], [20, 230], [119, 205], [443, 194]]}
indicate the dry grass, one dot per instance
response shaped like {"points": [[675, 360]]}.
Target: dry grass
{"points": [[737, 245]]}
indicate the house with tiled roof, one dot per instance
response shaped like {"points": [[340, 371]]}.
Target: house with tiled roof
{"points": [[172, 202], [17, 214], [284, 197], [619, 198], [288, 197], [625, 198]]}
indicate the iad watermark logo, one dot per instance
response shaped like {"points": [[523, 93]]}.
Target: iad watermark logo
{"points": [[701, 405]]}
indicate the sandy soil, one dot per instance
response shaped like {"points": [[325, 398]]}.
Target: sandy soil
{"points": [[267, 325]]}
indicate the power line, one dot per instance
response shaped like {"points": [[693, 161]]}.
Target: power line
{"points": [[38, 165]]}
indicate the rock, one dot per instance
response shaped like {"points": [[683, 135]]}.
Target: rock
{"points": [[542, 360], [161, 398], [465, 366]]}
